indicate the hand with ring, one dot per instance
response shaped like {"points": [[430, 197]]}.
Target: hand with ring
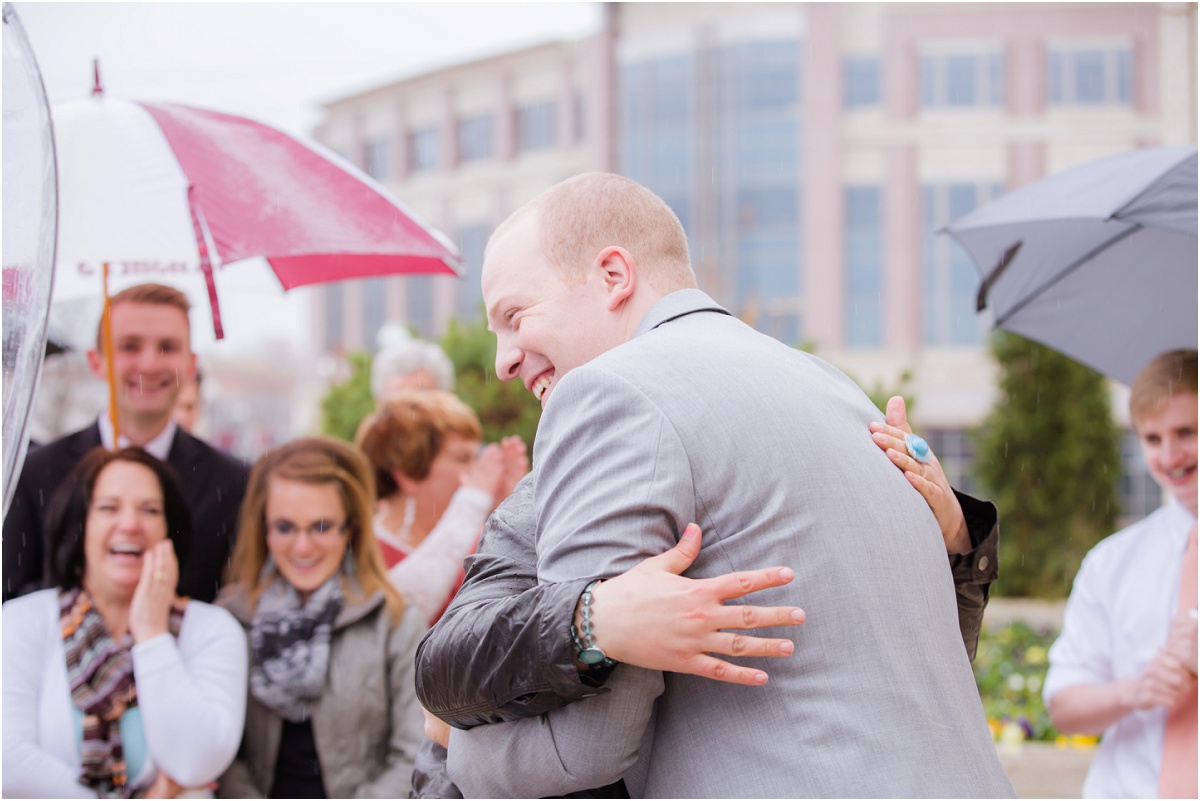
{"points": [[155, 592], [912, 454]]}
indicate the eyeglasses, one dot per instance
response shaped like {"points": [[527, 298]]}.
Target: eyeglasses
{"points": [[320, 530]]}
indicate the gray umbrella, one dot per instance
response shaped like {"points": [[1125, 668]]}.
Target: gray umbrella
{"points": [[1098, 262]]}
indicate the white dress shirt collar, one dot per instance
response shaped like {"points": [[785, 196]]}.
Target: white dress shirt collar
{"points": [[158, 447]]}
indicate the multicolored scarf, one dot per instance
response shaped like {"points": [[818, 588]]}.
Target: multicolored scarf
{"points": [[290, 645], [100, 670]]}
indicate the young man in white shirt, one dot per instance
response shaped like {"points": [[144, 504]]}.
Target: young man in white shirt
{"points": [[1127, 654]]}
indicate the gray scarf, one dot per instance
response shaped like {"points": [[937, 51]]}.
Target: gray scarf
{"points": [[289, 644]]}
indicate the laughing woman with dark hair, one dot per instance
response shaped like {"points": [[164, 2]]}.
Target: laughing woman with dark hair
{"points": [[113, 685]]}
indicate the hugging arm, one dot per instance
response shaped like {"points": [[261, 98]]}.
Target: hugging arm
{"points": [[502, 652], [585, 527]]}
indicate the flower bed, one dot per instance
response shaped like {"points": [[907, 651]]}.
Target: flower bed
{"points": [[1010, 668]]}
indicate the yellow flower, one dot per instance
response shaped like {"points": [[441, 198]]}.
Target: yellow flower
{"points": [[1012, 734]]}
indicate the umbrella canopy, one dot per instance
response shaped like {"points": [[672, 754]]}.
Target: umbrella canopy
{"points": [[1098, 262], [29, 225], [158, 189]]}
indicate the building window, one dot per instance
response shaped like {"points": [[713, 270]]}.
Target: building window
{"points": [[861, 85], [1138, 492], [471, 242], [333, 318], [950, 280], [374, 304], [475, 138], [962, 80], [955, 450], [420, 304], [657, 129], [580, 117], [423, 149], [378, 160], [1089, 77], [537, 126], [864, 269], [758, 192]]}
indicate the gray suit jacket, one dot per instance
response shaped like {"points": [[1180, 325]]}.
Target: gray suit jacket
{"points": [[701, 418]]}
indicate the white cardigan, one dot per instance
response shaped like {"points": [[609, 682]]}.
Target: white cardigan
{"points": [[191, 693]]}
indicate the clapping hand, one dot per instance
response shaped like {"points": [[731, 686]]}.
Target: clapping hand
{"points": [[516, 464], [1181, 642], [1164, 681]]}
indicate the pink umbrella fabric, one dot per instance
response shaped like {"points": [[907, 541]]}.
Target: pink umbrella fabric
{"points": [[181, 187]]}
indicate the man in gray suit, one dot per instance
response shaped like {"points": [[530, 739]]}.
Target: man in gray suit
{"points": [[659, 409]]}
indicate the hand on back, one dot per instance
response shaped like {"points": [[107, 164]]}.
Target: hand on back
{"points": [[926, 478], [653, 617]]}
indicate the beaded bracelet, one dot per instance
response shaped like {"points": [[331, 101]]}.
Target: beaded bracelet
{"points": [[584, 638]]}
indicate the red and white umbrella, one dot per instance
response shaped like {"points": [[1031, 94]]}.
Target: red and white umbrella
{"points": [[162, 191]]}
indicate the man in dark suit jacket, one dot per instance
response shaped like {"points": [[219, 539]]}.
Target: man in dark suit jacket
{"points": [[151, 342]]}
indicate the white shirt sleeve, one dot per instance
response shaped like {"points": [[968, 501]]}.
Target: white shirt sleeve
{"points": [[30, 771], [1083, 652], [428, 574], [192, 694]]}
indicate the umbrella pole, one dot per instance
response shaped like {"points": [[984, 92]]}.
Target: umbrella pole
{"points": [[205, 246], [110, 368]]}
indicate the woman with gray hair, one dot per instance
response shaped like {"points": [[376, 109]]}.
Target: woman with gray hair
{"points": [[407, 363]]}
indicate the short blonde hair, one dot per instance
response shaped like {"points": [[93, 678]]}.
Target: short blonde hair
{"points": [[150, 295], [1167, 375], [314, 460], [408, 432], [589, 212]]}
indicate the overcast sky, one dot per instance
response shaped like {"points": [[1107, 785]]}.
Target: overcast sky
{"points": [[276, 62]]}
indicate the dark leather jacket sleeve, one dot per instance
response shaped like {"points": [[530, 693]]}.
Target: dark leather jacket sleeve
{"points": [[974, 572], [502, 650]]}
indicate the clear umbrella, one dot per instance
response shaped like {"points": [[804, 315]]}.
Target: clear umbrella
{"points": [[30, 217]]}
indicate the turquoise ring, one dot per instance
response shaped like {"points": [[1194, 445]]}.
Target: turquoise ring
{"points": [[917, 448]]}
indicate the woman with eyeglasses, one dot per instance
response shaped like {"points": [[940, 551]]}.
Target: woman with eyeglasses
{"points": [[332, 711], [114, 686]]}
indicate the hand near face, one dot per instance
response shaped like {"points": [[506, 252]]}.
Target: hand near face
{"points": [[486, 471], [927, 479], [155, 591]]}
